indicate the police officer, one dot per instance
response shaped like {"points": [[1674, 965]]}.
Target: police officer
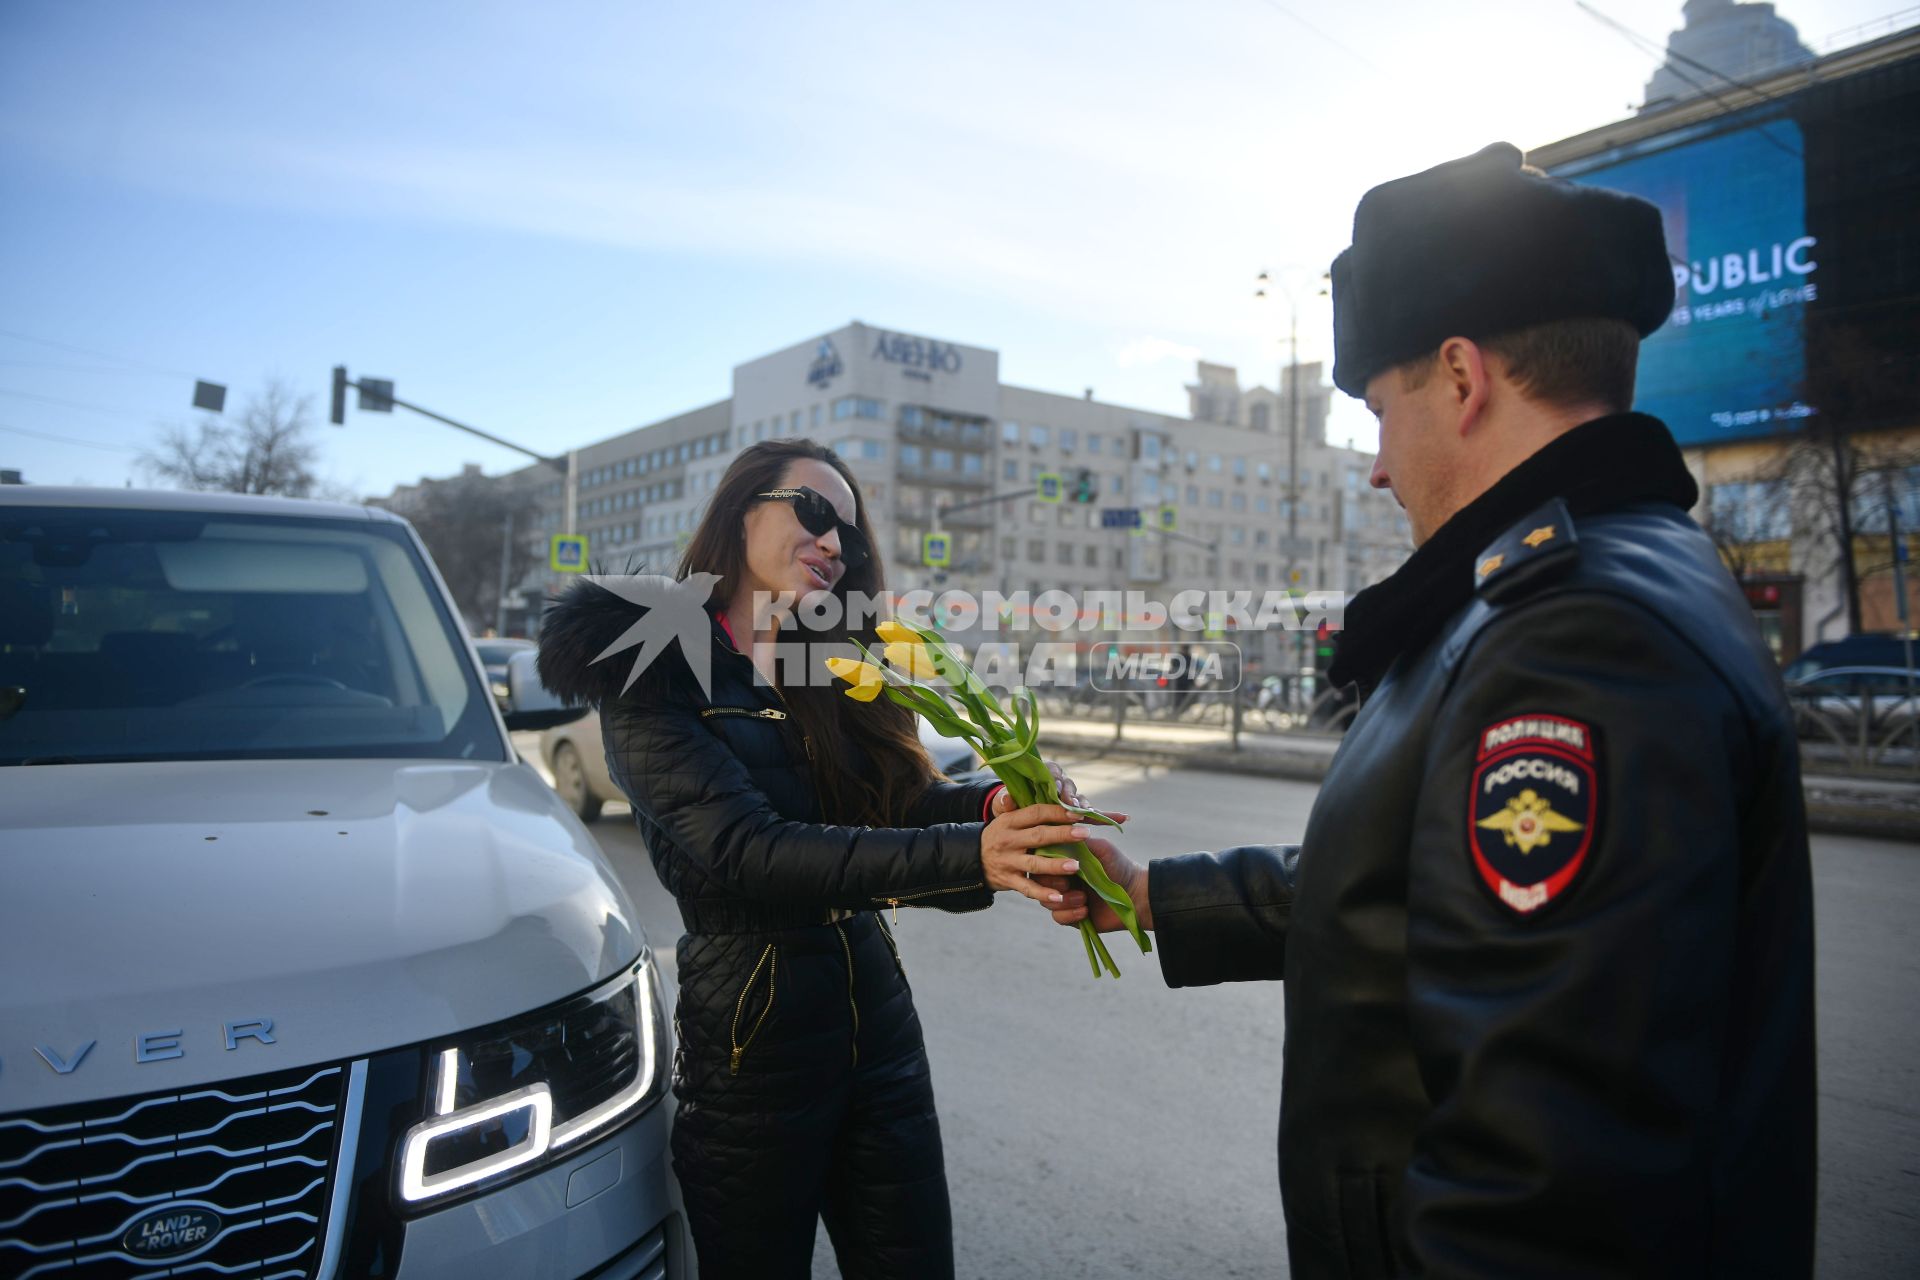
{"points": [[1547, 941]]}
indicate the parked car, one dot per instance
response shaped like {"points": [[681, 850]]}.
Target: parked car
{"points": [[494, 652], [1870, 649], [577, 759], [302, 971], [1830, 704]]}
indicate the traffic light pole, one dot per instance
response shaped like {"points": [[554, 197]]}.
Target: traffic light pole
{"points": [[569, 465]]}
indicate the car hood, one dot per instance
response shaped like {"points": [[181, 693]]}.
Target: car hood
{"points": [[357, 904]]}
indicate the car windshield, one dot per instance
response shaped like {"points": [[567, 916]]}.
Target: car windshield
{"points": [[131, 635]]}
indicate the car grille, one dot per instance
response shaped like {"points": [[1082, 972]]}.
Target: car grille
{"points": [[242, 1170]]}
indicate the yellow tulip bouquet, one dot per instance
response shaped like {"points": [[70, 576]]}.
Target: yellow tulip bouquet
{"points": [[967, 708]]}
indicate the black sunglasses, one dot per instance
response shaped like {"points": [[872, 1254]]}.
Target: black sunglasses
{"points": [[817, 517]]}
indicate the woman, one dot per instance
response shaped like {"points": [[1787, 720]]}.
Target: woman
{"points": [[781, 819]]}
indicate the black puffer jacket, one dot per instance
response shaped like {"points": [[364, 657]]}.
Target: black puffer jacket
{"points": [[1547, 941], [800, 1070]]}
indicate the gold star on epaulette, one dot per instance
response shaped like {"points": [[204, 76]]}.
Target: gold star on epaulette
{"points": [[1490, 565], [1543, 534]]}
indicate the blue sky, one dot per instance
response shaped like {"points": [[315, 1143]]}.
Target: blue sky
{"points": [[560, 221]]}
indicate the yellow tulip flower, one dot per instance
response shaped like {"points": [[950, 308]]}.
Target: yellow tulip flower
{"points": [[866, 679], [898, 633], [914, 658]]}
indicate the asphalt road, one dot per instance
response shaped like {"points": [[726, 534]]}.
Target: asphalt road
{"points": [[1164, 1162]]}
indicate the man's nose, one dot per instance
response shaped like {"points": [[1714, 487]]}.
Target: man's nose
{"points": [[1378, 478]]}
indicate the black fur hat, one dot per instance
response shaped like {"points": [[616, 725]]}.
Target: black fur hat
{"points": [[1481, 246]]}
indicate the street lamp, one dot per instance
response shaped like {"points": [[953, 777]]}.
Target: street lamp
{"points": [[1264, 285]]}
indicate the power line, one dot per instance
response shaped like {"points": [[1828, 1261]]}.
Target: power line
{"points": [[1669, 56], [48, 435], [1356, 55], [84, 368], [89, 351], [66, 404]]}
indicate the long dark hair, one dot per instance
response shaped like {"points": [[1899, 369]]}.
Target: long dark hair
{"points": [[831, 722]]}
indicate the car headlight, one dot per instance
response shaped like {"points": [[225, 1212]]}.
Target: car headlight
{"points": [[510, 1097]]}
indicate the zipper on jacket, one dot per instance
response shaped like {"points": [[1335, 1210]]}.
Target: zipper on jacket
{"points": [[758, 713], [892, 946], [852, 1004], [896, 900], [805, 740], [769, 955]]}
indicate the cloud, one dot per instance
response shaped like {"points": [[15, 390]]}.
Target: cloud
{"points": [[1155, 350]]}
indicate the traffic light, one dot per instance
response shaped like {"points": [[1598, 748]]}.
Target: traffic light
{"points": [[1083, 487], [339, 415], [1322, 647]]}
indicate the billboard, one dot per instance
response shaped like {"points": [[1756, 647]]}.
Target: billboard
{"points": [[1730, 362]]}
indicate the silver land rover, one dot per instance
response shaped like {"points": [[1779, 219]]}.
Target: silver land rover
{"points": [[303, 973]]}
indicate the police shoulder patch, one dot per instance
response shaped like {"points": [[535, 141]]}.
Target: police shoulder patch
{"points": [[1535, 799]]}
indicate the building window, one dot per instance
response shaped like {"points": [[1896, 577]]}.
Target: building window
{"points": [[1239, 536], [793, 423], [1069, 439], [1193, 459], [911, 415], [1149, 488], [1760, 512], [1214, 498], [855, 407], [1262, 470], [1213, 462], [1009, 433], [1119, 484], [1091, 558], [1259, 419], [1193, 494], [814, 416], [972, 464], [1238, 502], [1065, 555], [1093, 442], [1010, 469], [873, 450], [1036, 550], [1240, 468], [1262, 504], [941, 459], [1150, 448], [1037, 435], [909, 455]]}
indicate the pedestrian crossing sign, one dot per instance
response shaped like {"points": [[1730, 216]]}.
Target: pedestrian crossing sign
{"points": [[1050, 485], [567, 553], [935, 549]]}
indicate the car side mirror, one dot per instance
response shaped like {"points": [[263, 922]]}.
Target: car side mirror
{"points": [[530, 704]]}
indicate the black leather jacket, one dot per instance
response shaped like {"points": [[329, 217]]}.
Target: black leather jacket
{"points": [[1547, 940]]}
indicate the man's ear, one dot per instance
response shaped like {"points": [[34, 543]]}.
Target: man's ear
{"points": [[1463, 365]]}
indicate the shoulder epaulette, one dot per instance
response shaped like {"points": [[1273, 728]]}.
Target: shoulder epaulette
{"points": [[1534, 550]]}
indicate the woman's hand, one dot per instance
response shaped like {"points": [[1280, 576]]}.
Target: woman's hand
{"points": [[1007, 847]]}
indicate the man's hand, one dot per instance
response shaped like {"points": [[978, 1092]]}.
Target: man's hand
{"points": [[1073, 906]]}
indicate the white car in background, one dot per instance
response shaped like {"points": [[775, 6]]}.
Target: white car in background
{"points": [[575, 756]]}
